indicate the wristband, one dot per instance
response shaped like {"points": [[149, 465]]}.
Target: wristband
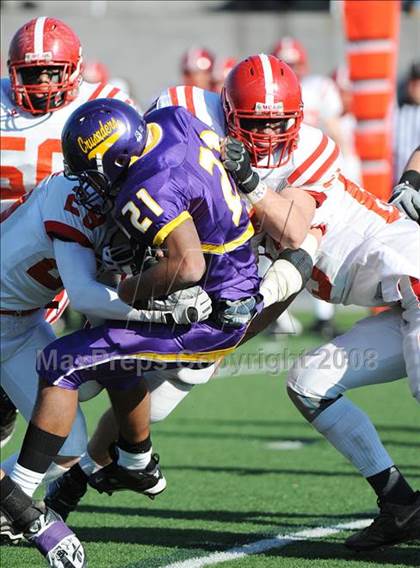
{"points": [[257, 194], [301, 260], [411, 177]]}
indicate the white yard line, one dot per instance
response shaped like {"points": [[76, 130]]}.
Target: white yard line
{"points": [[279, 541]]}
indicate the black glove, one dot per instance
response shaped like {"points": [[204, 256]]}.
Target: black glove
{"points": [[237, 162]]}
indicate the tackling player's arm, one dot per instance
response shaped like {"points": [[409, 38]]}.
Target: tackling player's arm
{"points": [[286, 217], [77, 267], [182, 266]]}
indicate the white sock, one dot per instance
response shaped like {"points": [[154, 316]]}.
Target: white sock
{"points": [[352, 433], [134, 461], [8, 465], [53, 472], [89, 465], [28, 480]]}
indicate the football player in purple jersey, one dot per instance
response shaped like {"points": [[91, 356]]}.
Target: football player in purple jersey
{"points": [[167, 188]]}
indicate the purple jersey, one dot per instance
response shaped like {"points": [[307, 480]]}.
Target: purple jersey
{"points": [[179, 176]]}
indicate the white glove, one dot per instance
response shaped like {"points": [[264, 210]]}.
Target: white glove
{"points": [[407, 200], [185, 306], [118, 256]]}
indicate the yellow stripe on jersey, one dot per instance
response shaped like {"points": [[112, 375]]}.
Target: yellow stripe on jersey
{"points": [[231, 245], [208, 356], [154, 136], [169, 227]]}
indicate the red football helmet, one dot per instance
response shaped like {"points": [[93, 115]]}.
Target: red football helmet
{"points": [[263, 108], [95, 72], [44, 64], [197, 59], [292, 52]]}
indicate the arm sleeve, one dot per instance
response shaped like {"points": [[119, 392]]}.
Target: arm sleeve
{"points": [[77, 267]]}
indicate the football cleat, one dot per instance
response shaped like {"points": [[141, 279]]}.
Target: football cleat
{"points": [[64, 493], [394, 524], [8, 535], [8, 414], [56, 542], [113, 477], [325, 329]]}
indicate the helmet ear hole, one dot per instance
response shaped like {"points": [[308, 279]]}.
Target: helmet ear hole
{"points": [[122, 160]]}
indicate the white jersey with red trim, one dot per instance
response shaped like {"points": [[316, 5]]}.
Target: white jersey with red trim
{"points": [[30, 144], [321, 100], [367, 246], [29, 276], [314, 160]]}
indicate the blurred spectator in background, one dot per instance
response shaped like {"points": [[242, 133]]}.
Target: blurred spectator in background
{"points": [[352, 167], [322, 108], [197, 68], [94, 71], [407, 120], [322, 105], [411, 6], [221, 68]]}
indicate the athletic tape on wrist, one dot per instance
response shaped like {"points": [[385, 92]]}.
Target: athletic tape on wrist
{"points": [[310, 245], [257, 194]]}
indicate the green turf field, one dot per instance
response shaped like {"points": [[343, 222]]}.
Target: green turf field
{"points": [[242, 467]]}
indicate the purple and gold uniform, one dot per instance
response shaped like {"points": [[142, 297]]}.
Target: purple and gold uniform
{"points": [[177, 177]]}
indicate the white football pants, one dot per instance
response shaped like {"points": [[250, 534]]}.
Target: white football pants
{"points": [[378, 349], [21, 340]]}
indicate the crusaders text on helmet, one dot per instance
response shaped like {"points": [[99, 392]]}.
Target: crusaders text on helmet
{"points": [[99, 140], [44, 64], [263, 108]]}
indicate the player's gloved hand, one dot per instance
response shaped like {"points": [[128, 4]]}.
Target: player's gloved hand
{"points": [[237, 162], [117, 259], [118, 255], [407, 199], [237, 313], [185, 306]]}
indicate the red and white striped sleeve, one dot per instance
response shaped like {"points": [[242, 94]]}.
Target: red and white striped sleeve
{"points": [[108, 91], [205, 105], [316, 158]]}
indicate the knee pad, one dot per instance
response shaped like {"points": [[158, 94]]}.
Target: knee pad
{"points": [[308, 406], [77, 440], [165, 395], [197, 376]]}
